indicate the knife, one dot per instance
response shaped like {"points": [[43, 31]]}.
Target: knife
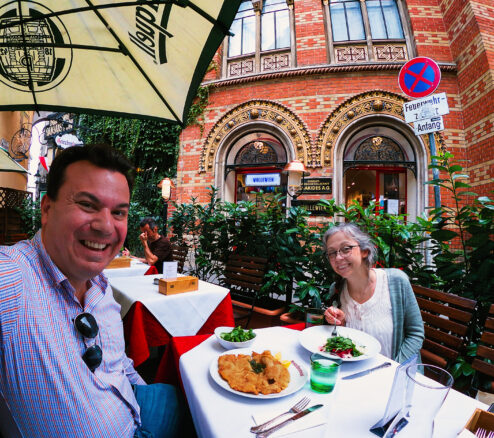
{"points": [[364, 373], [273, 429]]}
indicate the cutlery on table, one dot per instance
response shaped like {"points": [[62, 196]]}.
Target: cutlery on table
{"points": [[268, 432], [334, 332], [295, 409], [365, 372]]}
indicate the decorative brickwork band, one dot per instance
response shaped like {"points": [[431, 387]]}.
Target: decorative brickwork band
{"points": [[266, 111], [365, 104]]}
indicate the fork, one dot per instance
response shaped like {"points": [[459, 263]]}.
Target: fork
{"points": [[298, 407], [334, 332]]}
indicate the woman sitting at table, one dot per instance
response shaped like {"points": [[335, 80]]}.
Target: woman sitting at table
{"points": [[379, 302]]}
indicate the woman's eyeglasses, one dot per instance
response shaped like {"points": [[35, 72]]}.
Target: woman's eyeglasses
{"points": [[86, 325], [343, 252]]}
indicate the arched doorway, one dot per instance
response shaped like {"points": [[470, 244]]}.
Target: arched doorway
{"points": [[253, 168], [380, 164]]}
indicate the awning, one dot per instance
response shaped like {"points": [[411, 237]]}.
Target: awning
{"points": [[7, 164], [129, 58]]}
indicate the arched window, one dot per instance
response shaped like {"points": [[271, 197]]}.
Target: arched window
{"points": [[262, 39]]}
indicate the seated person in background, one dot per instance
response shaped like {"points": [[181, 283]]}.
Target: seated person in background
{"points": [[63, 368], [379, 302], [157, 248]]}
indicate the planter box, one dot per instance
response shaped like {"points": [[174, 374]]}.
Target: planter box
{"points": [[265, 314]]}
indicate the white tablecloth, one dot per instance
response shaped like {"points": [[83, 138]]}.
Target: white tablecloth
{"points": [[181, 315], [351, 409], [136, 268]]}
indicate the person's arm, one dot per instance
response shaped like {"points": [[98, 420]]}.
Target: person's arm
{"points": [[413, 326], [11, 288], [150, 258], [131, 373]]}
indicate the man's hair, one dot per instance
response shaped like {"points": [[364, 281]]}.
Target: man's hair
{"points": [[148, 221], [100, 155]]}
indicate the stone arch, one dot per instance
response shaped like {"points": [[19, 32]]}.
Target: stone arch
{"points": [[375, 102], [260, 112]]}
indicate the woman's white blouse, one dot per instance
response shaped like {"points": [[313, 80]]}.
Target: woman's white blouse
{"points": [[374, 316]]}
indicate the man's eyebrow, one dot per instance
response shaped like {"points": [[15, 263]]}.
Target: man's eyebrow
{"points": [[96, 200]]}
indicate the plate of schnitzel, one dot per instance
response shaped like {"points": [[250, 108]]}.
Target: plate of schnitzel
{"points": [[257, 373]]}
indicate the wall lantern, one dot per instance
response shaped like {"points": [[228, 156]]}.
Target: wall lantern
{"points": [[166, 185], [296, 175]]}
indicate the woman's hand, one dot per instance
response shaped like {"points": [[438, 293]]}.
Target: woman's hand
{"points": [[335, 316]]}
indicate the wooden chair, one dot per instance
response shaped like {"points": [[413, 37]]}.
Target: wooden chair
{"points": [[446, 318], [485, 349], [179, 254], [244, 276]]}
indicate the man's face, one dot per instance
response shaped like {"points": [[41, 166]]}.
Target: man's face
{"points": [[151, 233], [85, 227]]}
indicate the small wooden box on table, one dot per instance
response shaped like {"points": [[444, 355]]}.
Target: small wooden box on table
{"points": [[172, 286], [119, 262]]}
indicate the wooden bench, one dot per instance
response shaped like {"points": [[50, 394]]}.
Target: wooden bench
{"points": [[446, 321], [485, 349]]}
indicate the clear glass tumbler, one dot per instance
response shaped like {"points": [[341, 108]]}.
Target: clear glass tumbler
{"points": [[431, 385], [323, 373]]}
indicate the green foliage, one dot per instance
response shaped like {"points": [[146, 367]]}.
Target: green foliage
{"points": [[30, 214]]}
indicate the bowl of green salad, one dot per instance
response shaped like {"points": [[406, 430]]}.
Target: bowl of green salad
{"points": [[234, 337]]}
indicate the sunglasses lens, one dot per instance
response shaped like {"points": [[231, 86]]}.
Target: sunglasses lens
{"points": [[86, 325], [92, 357]]}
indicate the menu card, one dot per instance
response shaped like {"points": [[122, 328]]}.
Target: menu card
{"points": [[398, 402], [170, 269]]}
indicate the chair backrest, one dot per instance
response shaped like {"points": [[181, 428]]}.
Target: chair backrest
{"points": [[446, 319], [8, 426], [179, 254], [244, 274], [485, 349]]}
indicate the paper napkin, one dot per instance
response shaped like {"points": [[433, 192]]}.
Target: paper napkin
{"points": [[314, 419]]}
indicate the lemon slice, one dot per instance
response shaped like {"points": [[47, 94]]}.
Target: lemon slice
{"points": [[285, 363]]}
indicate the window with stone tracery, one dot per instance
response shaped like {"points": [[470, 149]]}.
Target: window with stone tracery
{"points": [[262, 40], [367, 30]]}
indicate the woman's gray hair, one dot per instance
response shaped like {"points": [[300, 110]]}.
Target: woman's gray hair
{"points": [[353, 231]]}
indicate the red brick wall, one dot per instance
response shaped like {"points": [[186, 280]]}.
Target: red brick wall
{"points": [[450, 31]]}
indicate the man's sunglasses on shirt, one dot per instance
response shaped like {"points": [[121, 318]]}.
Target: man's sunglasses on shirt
{"points": [[86, 325]]}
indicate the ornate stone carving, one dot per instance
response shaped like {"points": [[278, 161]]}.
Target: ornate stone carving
{"points": [[275, 62], [390, 52], [350, 54], [241, 67], [279, 116], [354, 108]]}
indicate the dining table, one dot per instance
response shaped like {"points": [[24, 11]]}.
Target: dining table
{"points": [[136, 268], [350, 410], [151, 319]]}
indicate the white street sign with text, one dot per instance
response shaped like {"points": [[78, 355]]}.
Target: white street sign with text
{"points": [[427, 126], [426, 108]]}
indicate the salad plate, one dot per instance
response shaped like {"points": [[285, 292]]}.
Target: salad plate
{"points": [[314, 339], [298, 375]]}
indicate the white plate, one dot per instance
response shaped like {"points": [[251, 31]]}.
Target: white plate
{"points": [[313, 338], [298, 375]]}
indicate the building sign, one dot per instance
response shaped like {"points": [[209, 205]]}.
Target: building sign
{"points": [[262, 179], [67, 140], [312, 207], [318, 185], [59, 125]]}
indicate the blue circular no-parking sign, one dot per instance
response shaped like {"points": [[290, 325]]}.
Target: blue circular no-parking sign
{"points": [[419, 77]]}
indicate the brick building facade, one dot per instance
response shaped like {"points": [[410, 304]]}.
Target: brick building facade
{"points": [[317, 81]]}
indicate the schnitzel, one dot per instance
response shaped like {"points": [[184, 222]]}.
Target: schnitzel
{"points": [[256, 373]]}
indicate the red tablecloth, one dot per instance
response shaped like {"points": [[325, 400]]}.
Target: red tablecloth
{"points": [[142, 330], [168, 370]]}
